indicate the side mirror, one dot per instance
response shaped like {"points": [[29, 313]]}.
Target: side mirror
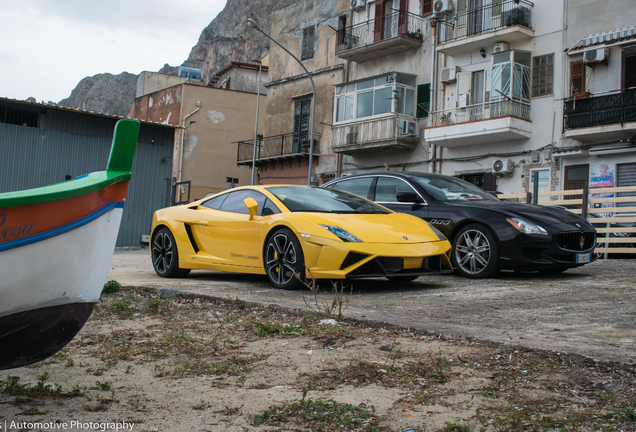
{"points": [[252, 206], [407, 197]]}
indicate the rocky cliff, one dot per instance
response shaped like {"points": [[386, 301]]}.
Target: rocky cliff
{"points": [[104, 93], [226, 39]]}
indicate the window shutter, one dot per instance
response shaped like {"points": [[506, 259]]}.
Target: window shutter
{"points": [[427, 7], [423, 100], [402, 27], [629, 69], [577, 76], [308, 43], [379, 21]]}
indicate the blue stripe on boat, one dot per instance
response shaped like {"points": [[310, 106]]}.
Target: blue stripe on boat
{"points": [[61, 230]]}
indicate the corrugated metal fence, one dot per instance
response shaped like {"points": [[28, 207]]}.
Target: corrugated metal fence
{"points": [[69, 143]]}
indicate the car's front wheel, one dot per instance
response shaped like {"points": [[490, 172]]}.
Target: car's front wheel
{"points": [[165, 258], [284, 260], [475, 252]]}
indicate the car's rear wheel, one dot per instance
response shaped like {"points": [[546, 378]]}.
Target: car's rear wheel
{"points": [[284, 260], [165, 257], [402, 279], [475, 252]]}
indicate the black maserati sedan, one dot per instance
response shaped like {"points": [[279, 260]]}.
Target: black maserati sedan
{"points": [[487, 234]]}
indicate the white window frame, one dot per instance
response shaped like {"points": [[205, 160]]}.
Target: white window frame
{"points": [[376, 86]]}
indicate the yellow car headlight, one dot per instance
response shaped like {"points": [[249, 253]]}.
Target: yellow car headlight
{"points": [[341, 234]]}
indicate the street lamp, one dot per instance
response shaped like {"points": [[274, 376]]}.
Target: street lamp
{"points": [[258, 98], [252, 23]]}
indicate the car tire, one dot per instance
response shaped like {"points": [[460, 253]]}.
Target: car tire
{"points": [[165, 257], [284, 260], [475, 252], [402, 279]]}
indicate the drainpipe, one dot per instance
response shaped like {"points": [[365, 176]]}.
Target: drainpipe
{"points": [[183, 131]]}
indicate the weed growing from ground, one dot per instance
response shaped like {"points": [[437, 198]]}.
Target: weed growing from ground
{"points": [[322, 415], [123, 308], [455, 427], [111, 286]]}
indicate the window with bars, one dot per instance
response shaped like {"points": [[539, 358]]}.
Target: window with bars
{"points": [[543, 75], [308, 43]]}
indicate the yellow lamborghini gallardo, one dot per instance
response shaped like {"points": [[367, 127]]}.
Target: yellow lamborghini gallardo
{"points": [[285, 231]]}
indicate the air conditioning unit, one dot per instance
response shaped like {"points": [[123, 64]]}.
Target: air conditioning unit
{"points": [[358, 4], [410, 128], [596, 56], [500, 47], [449, 74], [502, 166], [442, 7]]}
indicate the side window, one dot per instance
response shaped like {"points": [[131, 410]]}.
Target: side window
{"points": [[235, 201], [358, 186], [215, 203], [269, 208], [387, 188]]}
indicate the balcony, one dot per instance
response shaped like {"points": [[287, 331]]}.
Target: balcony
{"points": [[390, 34], [601, 117], [277, 148], [372, 135], [504, 21], [480, 124]]}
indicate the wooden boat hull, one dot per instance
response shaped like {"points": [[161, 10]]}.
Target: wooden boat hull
{"points": [[31, 336], [56, 245]]}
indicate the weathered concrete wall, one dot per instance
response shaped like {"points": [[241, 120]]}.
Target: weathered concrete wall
{"points": [[288, 82], [150, 82], [244, 79], [209, 155], [223, 118]]}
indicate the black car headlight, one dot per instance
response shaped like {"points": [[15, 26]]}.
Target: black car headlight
{"points": [[343, 235], [526, 227]]}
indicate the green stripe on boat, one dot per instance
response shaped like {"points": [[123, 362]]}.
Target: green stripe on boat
{"points": [[118, 170]]}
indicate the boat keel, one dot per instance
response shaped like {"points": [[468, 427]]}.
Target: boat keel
{"points": [[31, 336]]}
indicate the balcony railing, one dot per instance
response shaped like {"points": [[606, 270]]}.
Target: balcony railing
{"points": [[483, 111], [616, 107], [272, 148], [385, 132], [392, 25], [486, 19]]}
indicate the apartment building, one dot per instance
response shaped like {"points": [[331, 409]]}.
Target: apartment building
{"points": [[283, 153]]}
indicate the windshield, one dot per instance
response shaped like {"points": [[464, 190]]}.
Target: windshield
{"points": [[452, 189], [312, 199]]}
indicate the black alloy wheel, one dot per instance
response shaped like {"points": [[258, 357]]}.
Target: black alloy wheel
{"points": [[475, 252], [165, 258], [284, 260]]}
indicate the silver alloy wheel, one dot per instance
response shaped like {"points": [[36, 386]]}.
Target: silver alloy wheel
{"points": [[281, 259], [162, 252], [472, 251]]}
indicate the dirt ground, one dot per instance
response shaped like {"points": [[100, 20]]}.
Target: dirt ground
{"points": [[194, 363]]}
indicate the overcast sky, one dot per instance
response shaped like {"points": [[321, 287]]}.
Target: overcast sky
{"points": [[48, 46]]}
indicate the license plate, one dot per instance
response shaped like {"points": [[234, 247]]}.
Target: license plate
{"points": [[583, 258]]}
